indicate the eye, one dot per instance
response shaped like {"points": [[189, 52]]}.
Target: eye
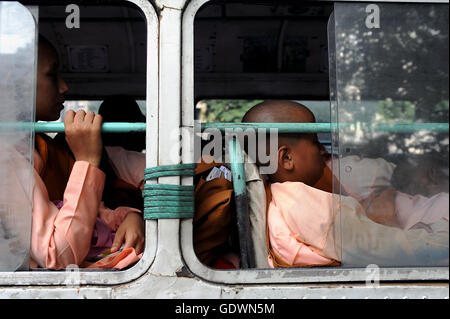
{"points": [[53, 75]]}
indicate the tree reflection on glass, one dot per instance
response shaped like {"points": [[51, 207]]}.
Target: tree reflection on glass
{"points": [[397, 73]]}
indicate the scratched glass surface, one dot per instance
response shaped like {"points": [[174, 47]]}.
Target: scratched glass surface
{"points": [[17, 94], [390, 84]]}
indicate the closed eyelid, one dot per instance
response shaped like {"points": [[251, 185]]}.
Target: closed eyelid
{"points": [[52, 71]]}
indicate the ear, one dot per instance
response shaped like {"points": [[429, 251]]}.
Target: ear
{"points": [[285, 159]]}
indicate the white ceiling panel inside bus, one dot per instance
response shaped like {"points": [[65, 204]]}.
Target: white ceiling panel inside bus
{"points": [[106, 55], [261, 50]]}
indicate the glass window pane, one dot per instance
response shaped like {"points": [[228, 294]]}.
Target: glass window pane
{"points": [[392, 108], [17, 83]]}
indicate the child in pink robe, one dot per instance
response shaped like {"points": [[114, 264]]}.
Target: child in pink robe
{"points": [[311, 227]]}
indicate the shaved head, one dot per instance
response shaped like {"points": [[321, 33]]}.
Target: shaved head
{"points": [[279, 112], [300, 156]]}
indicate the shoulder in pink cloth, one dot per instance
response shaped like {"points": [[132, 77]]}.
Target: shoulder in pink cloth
{"points": [[300, 218]]}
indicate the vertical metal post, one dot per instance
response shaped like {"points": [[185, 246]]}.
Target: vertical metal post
{"points": [[241, 200], [168, 257]]}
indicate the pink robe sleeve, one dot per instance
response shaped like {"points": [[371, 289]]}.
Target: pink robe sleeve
{"points": [[63, 237]]}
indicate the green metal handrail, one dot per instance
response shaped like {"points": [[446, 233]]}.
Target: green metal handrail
{"points": [[122, 127], [44, 127], [328, 127], [280, 127]]}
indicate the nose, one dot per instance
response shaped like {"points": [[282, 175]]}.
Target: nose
{"points": [[322, 149], [323, 152], [62, 85]]}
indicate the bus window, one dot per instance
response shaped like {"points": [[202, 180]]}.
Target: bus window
{"points": [[388, 88], [17, 60], [248, 53], [106, 56], [392, 108]]}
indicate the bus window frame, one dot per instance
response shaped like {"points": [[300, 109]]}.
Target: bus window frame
{"points": [[46, 277], [271, 276]]}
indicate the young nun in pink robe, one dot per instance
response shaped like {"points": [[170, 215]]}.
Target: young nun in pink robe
{"points": [[312, 227], [62, 233]]}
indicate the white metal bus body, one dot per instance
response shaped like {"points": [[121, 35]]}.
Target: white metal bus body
{"points": [[160, 49]]}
